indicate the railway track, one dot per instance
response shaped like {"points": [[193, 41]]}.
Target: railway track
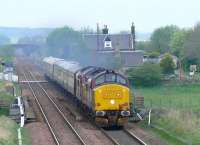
{"points": [[123, 137], [58, 124], [139, 140], [117, 137]]}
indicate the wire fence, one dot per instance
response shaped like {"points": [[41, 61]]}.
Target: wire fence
{"points": [[176, 110]]}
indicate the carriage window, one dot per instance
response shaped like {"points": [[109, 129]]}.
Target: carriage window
{"points": [[121, 80], [100, 80], [110, 77]]}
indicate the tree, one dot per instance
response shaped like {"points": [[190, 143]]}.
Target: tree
{"points": [[147, 75], [143, 45], [160, 39], [39, 40], [167, 64], [191, 52], [87, 30], [4, 40], [177, 41], [67, 43], [7, 52], [153, 54]]}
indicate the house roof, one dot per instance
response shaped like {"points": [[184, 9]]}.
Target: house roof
{"points": [[132, 58], [119, 41], [128, 58], [107, 38]]}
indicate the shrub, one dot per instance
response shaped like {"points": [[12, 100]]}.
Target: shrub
{"points": [[147, 75], [154, 54], [167, 64]]}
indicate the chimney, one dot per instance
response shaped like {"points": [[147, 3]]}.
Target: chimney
{"points": [[105, 29], [133, 36]]}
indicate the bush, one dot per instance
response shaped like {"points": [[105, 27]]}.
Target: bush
{"points": [[154, 54], [147, 75], [167, 64]]}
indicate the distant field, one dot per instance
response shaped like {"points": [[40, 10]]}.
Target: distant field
{"points": [[172, 96], [176, 110]]}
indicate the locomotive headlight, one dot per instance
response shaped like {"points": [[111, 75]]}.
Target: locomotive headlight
{"points": [[125, 113], [100, 113], [112, 102]]}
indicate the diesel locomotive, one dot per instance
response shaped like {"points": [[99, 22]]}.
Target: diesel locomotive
{"points": [[102, 93]]}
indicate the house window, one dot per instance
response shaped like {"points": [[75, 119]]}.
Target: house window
{"points": [[108, 44]]}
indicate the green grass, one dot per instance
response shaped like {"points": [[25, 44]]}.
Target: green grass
{"points": [[185, 97], [167, 138], [176, 110], [7, 58], [8, 128], [8, 131], [17, 89], [4, 111], [26, 140], [4, 95], [1, 68]]}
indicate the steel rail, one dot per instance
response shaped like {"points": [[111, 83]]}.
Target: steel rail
{"points": [[135, 137], [60, 112], [42, 111], [109, 136], [115, 142]]}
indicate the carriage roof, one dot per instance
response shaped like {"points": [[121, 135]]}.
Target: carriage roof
{"points": [[52, 60], [71, 66]]}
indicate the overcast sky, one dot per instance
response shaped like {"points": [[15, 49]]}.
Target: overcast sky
{"points": [[117, 14]]}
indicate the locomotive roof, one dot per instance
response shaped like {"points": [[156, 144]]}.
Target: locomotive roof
{"points": [[92, 71]]}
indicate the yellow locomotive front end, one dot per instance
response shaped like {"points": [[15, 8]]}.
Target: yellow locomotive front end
{"points": [[111, 102]]}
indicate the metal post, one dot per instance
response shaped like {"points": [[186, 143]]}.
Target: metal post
{"points": [[149, 122]]}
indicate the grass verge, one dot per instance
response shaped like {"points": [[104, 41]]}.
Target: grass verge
{"points": [[5, 96], [8, 131], [4, 111]]}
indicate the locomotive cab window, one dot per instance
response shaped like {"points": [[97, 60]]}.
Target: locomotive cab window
{"points": [[100, 80], [121, 80], [110, 77]]}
